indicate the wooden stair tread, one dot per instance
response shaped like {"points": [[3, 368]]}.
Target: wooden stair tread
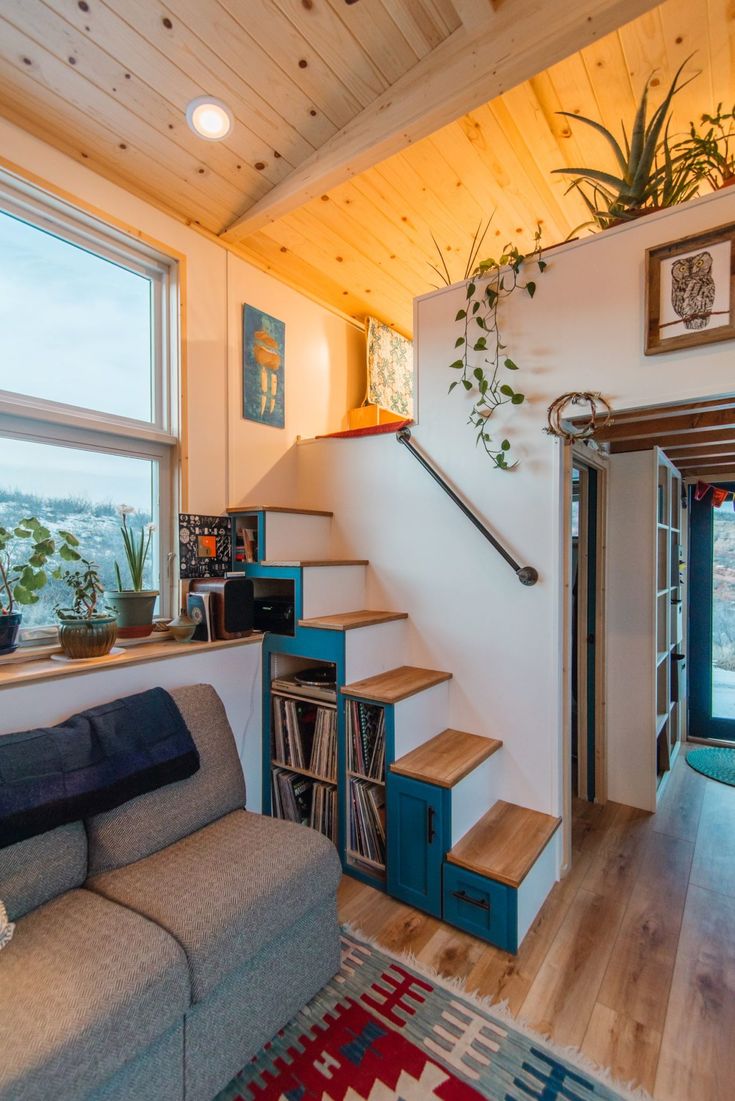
{"points": [[301, 563], [505, 843], [347, 621], [279, 508], [447, 758], [396, 684]]}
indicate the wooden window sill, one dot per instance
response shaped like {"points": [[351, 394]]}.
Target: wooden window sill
{"points": [[37, 668]]}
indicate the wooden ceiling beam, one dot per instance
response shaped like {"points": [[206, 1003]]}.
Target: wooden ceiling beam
{"points": [[470, 67], [723, 472], [701, 455], [631, 416], [674, 441], [475, 13], [684, 424]]}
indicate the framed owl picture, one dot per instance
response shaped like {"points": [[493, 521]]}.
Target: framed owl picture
{"points": [[691, 291]]}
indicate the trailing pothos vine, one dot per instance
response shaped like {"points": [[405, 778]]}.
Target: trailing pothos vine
{"points": [[491, 281]]}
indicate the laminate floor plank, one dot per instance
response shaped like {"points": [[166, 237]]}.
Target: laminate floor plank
{"points": [[638, 977], [681, 806], [714, 856], [696, 1058], [623, 1045]]}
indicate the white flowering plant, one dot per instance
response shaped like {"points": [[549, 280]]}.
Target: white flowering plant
{"points": [[137, 546]]}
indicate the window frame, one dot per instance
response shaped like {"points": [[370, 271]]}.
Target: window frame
{"points": [[25, 417]]}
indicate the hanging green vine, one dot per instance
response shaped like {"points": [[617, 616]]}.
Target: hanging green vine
{"points": [[491, 281]]}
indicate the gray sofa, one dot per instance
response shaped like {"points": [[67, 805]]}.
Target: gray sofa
{"points": [[159, 945]]}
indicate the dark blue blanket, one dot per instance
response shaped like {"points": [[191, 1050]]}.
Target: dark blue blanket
{"points": [[91, 763]]}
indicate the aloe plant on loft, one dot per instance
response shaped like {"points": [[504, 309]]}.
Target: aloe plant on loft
{"points": [[651, 176]]}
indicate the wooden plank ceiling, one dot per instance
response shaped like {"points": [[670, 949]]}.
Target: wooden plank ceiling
{"points": [[361, 128], [697, 436]]}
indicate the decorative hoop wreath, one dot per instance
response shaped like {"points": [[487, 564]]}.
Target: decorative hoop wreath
{"points": [[599, 416]]}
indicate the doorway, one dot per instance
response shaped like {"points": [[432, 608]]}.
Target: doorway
{"points": [[712, 615], [587, 625]]}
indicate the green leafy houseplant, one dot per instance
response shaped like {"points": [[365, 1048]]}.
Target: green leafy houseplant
{"points": [[483, 356], [86, 628], [712, 148], [652, 174], [24, 552]]}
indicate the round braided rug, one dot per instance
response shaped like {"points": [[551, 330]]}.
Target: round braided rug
{"points": [[715, 762]]}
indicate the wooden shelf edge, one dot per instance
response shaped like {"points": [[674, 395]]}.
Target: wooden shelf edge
{"points": [[387, 688], [236, 509], [418, 765], [16, 674]]}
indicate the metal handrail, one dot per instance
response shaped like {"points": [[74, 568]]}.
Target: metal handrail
{"points": [[527, 575]]}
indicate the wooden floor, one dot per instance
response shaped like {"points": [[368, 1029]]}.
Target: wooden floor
{"points": [[632, 958]]}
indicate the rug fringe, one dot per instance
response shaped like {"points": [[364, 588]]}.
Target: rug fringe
{"points": [[630, 1091]]}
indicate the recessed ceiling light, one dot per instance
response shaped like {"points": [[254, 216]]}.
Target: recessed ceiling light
{"points": [[209, 118]]}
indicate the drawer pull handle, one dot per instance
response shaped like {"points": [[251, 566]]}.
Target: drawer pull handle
{"points": [[481, 904], [430, 831]]}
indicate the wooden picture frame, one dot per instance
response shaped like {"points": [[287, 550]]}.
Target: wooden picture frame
{"points": [[690, 291]]}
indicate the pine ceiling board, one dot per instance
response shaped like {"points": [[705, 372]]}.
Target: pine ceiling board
{"points": [[214, 34], [470, 145], [206, 193], [320, 243], [154, 69], [374, 27], [52, 120], [296, 272], [534, 196], [575, 92], [472, 13], [108, 75], [364, 224], [644, 49], [685, 33], [336, 46], [288, 49], [548, 100], [721, 28], [542, 145], [423, 31], [608, 73]]}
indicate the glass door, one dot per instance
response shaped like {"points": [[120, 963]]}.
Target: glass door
{"points": [[712, 618]]}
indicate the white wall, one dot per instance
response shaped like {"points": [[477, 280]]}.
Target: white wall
{"points": [[584, 330], [230, 459]]}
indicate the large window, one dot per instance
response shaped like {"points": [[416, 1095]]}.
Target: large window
{"points": [[88, 368]]}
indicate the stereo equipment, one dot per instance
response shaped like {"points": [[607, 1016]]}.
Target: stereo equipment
{"points": [[231, 603], [274, 613]]}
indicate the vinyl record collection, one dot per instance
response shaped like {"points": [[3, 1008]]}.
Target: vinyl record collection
{"points": [[366, 761], [305, 736], [366, 739], [367, 821], [309, 802]]}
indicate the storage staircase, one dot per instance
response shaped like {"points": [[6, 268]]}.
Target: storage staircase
{"points": [[454, 848]]}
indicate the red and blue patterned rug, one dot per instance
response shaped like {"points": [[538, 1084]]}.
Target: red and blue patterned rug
{"points": [[381, 1031]]}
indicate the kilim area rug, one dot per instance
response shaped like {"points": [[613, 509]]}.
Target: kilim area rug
{"points": [[384, 1030]]}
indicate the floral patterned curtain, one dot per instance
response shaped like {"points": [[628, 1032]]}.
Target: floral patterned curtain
{"points": [[389, 369]]}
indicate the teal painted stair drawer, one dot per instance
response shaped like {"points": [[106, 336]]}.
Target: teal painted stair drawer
{"points": [[481, 907]]}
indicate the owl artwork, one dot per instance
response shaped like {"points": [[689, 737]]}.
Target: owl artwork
{"points": [[693, 289]]}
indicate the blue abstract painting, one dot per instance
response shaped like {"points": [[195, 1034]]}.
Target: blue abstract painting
{"points": [[263, 355]]}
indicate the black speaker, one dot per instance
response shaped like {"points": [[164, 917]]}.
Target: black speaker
{"points": [[231, 603]]}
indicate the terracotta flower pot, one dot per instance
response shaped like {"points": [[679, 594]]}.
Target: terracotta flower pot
{"points": [[88, 638], [134, 611]]}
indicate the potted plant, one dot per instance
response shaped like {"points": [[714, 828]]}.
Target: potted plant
{"points": [[134, 605], [24, 551], [86, 628], [651, 174], [712, 148]]}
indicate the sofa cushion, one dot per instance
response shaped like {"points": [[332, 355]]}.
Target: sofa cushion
{"points": [[36, 870], [151, 822], [86, 986], [228, 889]]}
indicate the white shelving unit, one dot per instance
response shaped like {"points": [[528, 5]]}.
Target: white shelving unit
{"points": [[645, 639]]}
